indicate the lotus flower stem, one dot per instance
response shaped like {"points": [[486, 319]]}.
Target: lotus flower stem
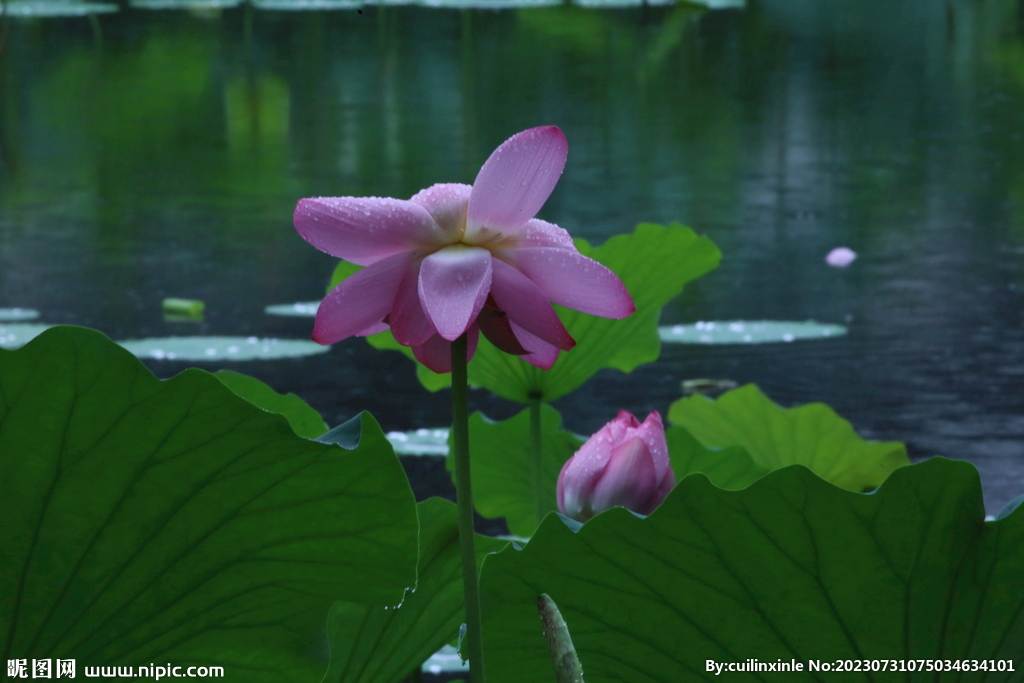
{"points": [[540, 502], [464, 498]]}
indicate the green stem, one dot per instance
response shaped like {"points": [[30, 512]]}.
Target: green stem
{"points": [[541, 504], [7, 26], [464, 497], [97, 31]]}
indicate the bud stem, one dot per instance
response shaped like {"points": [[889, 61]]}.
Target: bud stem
{"points": [[464, 499]]}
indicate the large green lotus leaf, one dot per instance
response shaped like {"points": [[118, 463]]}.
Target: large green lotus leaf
{"points": [[300, 415], [376, 644], [791, 568], [655, 263], [812, 435], [172, 521], [508, 481], [728, 468]]}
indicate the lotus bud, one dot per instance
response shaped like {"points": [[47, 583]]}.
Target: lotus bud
{"points": [[625, 463]]}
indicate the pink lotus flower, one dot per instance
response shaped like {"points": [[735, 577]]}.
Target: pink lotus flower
{"points": [[625, 463], [455, 259]]}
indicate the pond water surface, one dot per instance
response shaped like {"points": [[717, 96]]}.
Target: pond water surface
{"points": [[163, 155]]}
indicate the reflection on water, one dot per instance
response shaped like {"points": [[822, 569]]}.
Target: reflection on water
{"points": [[165, 161]]}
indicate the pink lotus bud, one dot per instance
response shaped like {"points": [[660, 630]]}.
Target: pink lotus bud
{"points": [[625, 464]]}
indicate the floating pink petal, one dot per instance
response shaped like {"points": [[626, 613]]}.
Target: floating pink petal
{"points": [[840, 257]]}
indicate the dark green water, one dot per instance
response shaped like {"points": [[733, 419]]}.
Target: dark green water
{"points": [[164, 158]]}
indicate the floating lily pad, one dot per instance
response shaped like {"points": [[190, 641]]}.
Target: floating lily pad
{"points": [[616, 4], [306, 6], [185, 4], [445, 660], [300, 309], [748, 332], [13, 314], [420, 441], [719, 4], [15, 335], [489, 4], [41, 8], [221, 348]]}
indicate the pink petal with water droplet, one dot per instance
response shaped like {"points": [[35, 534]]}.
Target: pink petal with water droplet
{"points": [[454, 284], [572, 280], [498, 331], [447, 203], [372, 329], [364, 230], [436, 352], [573, 490], [668, 482], [515, 181], [623, 426], [538, 233], [539, 353], [409, 324], [629, 479], [360, 301], [652, 431], [527, 306], [580, 473]]}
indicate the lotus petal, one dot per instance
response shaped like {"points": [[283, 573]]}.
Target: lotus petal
{"points": [[515, 181], [364, 230], [572, 280], [361, 301], [453, 286], [527, 306]]}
